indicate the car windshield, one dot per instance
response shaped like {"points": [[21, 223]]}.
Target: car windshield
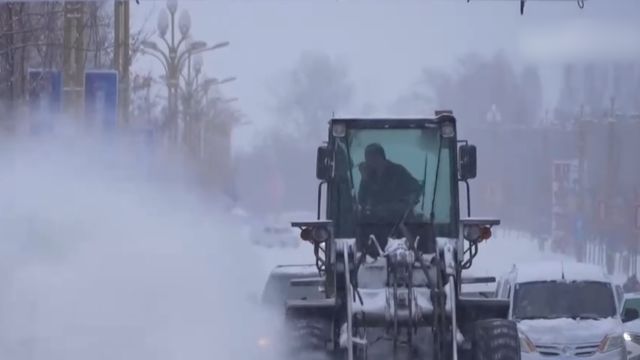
{"points": [[402, 180], [554, 299]]}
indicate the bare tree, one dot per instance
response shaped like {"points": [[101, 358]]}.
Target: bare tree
{"points": [[636, 90], [31, 36], [311, 92], [530, 96], [594, 86], [476, 86], [305, 99]]}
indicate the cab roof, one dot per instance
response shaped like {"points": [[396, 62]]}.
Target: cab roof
{"points": [[558, 271], [394, 122]]}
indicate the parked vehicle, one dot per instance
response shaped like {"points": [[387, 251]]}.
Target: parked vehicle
{"points": [[630, 312], [564, 309]]}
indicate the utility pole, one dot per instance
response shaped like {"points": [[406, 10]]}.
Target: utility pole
{"points": [[122, 56], [74, 57], [580, 218], [636, 245], [610, 190]]}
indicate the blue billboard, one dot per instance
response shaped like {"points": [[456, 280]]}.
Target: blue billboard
{"points": [[45, 98], [101, 97]]}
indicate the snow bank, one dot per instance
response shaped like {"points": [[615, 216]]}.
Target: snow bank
{"points": [[497, 255]]}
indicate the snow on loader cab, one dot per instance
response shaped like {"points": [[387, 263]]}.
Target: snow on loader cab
{"points": [[390, 255]]}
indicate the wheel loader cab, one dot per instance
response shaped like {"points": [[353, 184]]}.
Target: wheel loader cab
{"points": [[414, 181]]}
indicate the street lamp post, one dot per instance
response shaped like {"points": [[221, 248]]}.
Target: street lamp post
{"points": [[216, 101], [198, 97], [174, 57], [196, 93], [191, 82]]}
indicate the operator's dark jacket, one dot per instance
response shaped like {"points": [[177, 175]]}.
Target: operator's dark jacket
{"points": [[390, 189]]}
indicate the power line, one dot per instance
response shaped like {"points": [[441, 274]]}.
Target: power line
{"points": [[523, 2]]}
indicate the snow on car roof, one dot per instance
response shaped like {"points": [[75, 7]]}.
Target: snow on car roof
{"points": [[558, 270], [632, 295]]}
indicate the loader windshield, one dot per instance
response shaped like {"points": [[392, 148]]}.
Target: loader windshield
{"points": [[390, 174]]}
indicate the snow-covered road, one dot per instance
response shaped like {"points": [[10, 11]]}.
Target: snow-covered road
{"points": [[100, 260]]}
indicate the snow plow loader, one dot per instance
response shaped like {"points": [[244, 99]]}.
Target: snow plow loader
{"points": [[390, 251]]}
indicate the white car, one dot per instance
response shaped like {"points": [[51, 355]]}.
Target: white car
{"points": [[630, 313], [564, 310]]}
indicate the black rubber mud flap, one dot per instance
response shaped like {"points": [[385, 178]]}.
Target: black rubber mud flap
{"points": [[308, 337], [495, 339], [309, 328]]}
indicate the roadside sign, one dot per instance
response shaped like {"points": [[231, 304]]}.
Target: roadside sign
{"points": [[101, 97], [45, 97]]}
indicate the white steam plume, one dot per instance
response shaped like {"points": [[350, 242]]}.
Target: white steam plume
{"points": [[101, 259]]}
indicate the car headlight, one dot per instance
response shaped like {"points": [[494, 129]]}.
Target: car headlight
{"points": [[611, 343], [632, 337], [264, 342], [526, 345]]}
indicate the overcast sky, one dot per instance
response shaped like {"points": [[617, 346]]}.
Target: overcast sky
{"points": [[386, 43]]}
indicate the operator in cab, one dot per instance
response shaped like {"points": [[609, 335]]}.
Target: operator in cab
{"points": [[387, 193]]}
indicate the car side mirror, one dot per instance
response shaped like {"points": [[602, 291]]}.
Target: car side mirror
{"points": [[630, 314], [324, 168], [467, 162]]}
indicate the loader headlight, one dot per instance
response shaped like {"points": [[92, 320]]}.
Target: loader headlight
{"points": [[339, 129], [315, 234], [611, 343], [526, 345], [626, 336], [447, 130], [475, 233], [321, 234]]}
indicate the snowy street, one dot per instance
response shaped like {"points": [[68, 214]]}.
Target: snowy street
{"points": [[154, 155]]}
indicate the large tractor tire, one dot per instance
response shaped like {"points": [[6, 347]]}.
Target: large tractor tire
{"points": [[495, 339]]}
